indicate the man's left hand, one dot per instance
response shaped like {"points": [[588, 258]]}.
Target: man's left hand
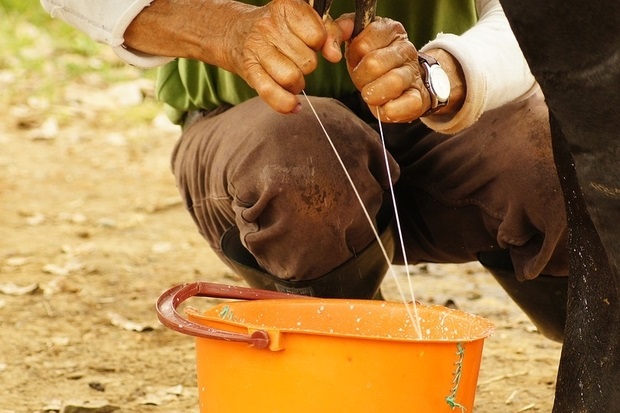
{"points": [[383, 65]]}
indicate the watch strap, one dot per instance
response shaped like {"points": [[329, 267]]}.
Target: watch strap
{"points": [[426, 61]]}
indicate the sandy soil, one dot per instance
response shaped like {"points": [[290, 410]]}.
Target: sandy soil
{"points": [[93, 232]]}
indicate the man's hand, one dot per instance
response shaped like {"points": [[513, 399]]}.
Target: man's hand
{"points": [[383, 65], [273, 47]]}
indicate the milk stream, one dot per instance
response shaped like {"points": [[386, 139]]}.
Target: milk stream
{"points": [[412, 310]]}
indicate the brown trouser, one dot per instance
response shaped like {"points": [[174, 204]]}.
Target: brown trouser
{"points": [[490, 187]]}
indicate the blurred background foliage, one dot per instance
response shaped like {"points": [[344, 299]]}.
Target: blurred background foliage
{"points": [[40, 57]]}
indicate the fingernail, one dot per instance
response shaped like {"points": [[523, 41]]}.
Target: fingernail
{"points": [[337, 47], [297, 108]]}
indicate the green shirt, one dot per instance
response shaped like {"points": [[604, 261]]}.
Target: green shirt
{"points": [[185, 85]]}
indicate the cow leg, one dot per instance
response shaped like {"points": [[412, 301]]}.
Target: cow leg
{"points": [[573, 48], [590, 362]]}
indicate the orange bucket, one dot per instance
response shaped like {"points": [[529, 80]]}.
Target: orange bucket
{"points": [[274, 352]]}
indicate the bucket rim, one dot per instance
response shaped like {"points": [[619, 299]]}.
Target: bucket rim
{"points": [[218, 314]]}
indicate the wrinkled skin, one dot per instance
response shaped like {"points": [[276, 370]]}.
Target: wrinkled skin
{"points": [[383, 65], [579, 72], [274, 46], [277, 46]]}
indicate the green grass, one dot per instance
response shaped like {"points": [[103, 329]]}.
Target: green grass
{"points": [[41, 56]]}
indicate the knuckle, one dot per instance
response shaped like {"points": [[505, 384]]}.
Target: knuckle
{"points": [[399, 28], [276, 99], [394, 26], [363, 46], [290, 80], [253, 74], [395, 82], [309, 64], [374, 65], [263, 89], [316, 38]]}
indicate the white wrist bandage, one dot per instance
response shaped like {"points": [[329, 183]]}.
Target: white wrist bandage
{"points": [[105, 21]]}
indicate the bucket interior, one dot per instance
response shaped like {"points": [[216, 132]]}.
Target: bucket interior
{"points": [[376, 320]]}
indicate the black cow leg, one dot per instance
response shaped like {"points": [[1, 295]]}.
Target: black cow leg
{"points": [[590, 362], [573, 49]]}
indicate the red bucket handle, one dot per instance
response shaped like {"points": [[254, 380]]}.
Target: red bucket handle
{"points": [[169, 316]]}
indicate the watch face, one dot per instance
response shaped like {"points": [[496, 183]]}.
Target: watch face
{"points": [[439, 82]]}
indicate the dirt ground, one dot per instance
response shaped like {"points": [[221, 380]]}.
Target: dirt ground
{"points": [[93, 232]]}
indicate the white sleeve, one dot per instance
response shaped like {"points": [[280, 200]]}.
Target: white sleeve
{"points": [[495, 69], [105, 21]]}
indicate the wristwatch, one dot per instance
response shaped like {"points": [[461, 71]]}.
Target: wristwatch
{"points": [[436, 81]]}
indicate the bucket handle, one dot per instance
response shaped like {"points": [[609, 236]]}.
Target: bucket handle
{"points": [[169, 316]]}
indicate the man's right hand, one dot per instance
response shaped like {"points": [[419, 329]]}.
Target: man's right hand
{"points": [[271, 47]]}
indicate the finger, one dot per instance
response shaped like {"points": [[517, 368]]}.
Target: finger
{"points": [[271, 92], [346, 23], [332, 48], [284, 71], [297, 52], [381, 61], [389, 86], [406, 108], [298, 34], [356, 49], [304, 23], [377, 35]]}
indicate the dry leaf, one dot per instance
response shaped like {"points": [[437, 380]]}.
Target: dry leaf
{"points": [[53, 406], [14, 289], [159, 396], [16, 261], [120, 321], [161, 248], [36, 219], [66, 269], [89, 406], [48, 130]]}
